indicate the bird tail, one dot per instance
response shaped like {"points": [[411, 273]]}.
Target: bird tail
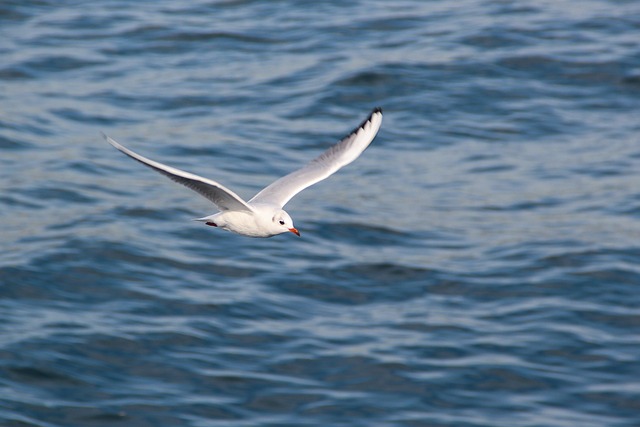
{"points": [[203, 219], [209, 220]]}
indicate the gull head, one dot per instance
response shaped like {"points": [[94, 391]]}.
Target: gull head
{"points": [[283, 223]]}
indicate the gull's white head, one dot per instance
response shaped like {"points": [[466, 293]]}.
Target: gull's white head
{"points": [[282, 222]]}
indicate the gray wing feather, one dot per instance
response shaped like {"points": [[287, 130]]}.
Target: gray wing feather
{"points": [[323, 166], [222, 197]]}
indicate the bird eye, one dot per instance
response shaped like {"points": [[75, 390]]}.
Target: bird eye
{"points": [[281, 222]]}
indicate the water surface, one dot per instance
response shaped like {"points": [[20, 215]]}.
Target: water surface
{"points": [[477, 266]]}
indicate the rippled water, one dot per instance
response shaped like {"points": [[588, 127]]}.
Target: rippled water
{"points": [[477, 266]]}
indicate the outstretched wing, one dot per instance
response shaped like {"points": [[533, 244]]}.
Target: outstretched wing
{"points": [[323, 166], [222, 197]]}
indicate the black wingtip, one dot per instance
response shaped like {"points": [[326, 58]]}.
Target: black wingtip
{"points": [[365, 121], [376, 110]]}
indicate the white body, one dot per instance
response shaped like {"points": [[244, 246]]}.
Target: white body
{"points": [[259, 223], [263, 216]]}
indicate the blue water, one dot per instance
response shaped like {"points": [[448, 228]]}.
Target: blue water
{"points": [[479, 265]]}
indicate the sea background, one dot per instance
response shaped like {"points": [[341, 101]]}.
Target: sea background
{"points": [[478, 265]]}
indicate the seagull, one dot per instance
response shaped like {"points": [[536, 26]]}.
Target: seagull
{"points": [[263, 215]]}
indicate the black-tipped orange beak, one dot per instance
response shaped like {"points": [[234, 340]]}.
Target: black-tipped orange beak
{"points": [[295, 231]]}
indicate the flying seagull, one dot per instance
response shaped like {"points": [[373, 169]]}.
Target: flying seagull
{"points": [[263, 216]]}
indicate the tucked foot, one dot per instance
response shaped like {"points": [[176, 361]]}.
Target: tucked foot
{"points": [[213, 224]]}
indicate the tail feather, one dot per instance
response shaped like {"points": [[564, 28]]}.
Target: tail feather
{"points": [[207, 220]]}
